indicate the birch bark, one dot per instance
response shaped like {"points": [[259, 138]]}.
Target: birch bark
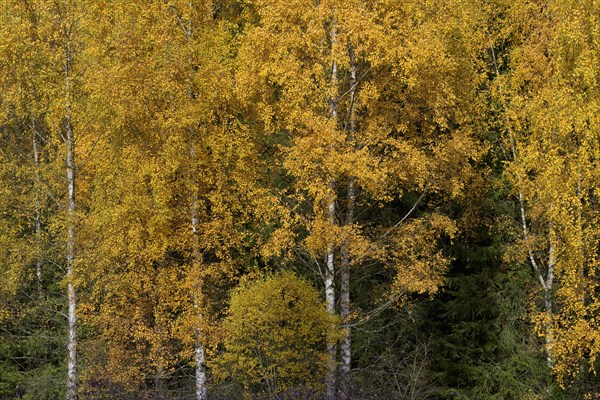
{"points": [[199, 351], [330, 304], [547, 281], [72, 299], [346, 345], [330, 271], [37, 210]]}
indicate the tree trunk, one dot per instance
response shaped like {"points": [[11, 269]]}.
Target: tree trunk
{"points": [[545, 282], [201, 391], [330, 304], [345, 300], [199, 353], [37, 211], [548, 295], [72, 299], [346, 345], [330, 271], [548, 329]]}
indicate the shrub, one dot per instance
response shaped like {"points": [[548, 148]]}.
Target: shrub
{"points": [[275, 336]]}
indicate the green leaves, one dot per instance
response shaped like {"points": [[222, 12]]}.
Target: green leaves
{"points": [[274, 335]]}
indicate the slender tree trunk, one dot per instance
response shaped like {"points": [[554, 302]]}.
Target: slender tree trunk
{"points": [[199, 353], [201, 390], [330, 270], [72, 299], [548, 303], [37, 211], [547, 281], [346, 345], [548, 328], [330, 304]]}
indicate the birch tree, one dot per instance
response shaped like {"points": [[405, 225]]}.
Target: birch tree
{"points": [[345, 82], [49, 77], [68, 33], [174, 193], [553, 150]]}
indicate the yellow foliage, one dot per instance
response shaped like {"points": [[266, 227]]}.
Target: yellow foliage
{"points": [[553, 136], [274, 335], [415, 255]]}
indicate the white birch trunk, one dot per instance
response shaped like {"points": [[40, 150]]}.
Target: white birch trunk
{"points": [[548, 303], [330, 270], [72, 299], [201, 390], [330, 304], [37, 211], [199, 353], [72, 390], [346, 345], [546, 282], [159, 377]]}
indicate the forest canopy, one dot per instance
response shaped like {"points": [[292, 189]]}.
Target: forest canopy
{"points": [[325, 199]]}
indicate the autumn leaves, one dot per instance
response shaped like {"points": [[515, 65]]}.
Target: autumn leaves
{"points": [[212, 142]]}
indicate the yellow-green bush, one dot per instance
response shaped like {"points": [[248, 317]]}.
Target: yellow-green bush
{"points": [[275, 335]]}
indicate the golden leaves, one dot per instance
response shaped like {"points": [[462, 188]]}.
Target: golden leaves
{"points": [[553, 139], [415, 254]]}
